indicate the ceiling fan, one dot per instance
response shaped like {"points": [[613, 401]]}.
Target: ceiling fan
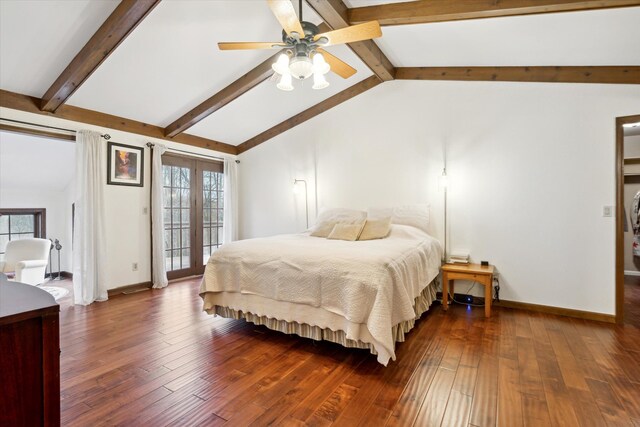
{"points": [[302, 42]]}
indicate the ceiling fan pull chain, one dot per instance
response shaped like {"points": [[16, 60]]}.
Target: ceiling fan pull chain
{"points": [[300, 13]]}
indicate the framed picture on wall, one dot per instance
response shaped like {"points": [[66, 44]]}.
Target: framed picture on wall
{"points": [[125, 165]]}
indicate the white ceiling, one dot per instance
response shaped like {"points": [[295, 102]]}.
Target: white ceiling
{"points": [[38, 39], [170, 62], [632, 131], [599, 37], [250, 115], [33, 162]]}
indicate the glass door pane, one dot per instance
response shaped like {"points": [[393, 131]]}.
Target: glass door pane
{"points": [[178, 211], [212, 207]]}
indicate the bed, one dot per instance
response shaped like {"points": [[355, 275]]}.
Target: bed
{"points": [[364, 294]]}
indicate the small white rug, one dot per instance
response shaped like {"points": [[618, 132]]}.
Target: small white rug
{"points": [[55, 291]]}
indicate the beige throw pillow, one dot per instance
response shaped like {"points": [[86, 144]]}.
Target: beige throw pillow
{"points": [[376, 229], [348, 232], [323, 229]]}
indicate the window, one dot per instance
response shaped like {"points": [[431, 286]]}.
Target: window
{"points": [[18, 224], [193, 206]]}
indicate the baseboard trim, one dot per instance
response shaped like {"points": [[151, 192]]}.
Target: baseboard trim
{"points": [[631, 273], [560, 311], [142, 286], [128, 289]]}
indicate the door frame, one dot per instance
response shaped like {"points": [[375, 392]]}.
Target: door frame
{"points": [[196, 166], [620, 213]]}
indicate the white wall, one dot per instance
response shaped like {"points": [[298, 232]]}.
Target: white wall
{"points": [[516, 154], [127, 227]]}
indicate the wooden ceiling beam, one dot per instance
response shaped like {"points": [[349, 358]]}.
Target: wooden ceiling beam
{"points": [[126, 16], [426, 11], [563, 74], [335, 14], [29, 104], [223, 97], [309, 113]]}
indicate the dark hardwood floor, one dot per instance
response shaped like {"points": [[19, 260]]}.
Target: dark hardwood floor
{"points": [[632, 300], [154, 358]]}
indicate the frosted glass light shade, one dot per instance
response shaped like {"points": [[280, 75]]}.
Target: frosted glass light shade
{"points": [[285, 83], [319, 64], [281, 66], [300, 67], [319, 82]]}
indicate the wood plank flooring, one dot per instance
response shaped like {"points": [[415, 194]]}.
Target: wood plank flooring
{"points": [[154, 358]]}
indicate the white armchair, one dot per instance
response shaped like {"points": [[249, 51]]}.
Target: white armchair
{"points": [[28, 258]]}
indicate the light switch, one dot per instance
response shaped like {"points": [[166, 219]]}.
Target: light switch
{"points": [[607, 211]]}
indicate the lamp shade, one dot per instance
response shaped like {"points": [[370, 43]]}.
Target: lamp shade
{"points": [[301, 67], [281, 66], [319, 64], [285, 83], [319, 82]]}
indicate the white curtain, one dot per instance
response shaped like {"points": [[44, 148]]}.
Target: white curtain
{"points": [[89, 260], [159, 270], [230, 220]]}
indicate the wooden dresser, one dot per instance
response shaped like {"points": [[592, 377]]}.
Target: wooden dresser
{"points": [[29, 356]]}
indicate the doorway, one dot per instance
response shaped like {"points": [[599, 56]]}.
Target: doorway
{"points": [[193, 213], [627, 178], [37, 182]]}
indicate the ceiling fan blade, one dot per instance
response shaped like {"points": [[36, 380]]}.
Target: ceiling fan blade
{"points": [[250, 45], [286, 15], [337, 65], [354, 33]]}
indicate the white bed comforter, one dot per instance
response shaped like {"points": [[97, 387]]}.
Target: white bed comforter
{"points": [[373, 283]]}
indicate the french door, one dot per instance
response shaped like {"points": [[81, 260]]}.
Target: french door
{"points": [[193, 213]]}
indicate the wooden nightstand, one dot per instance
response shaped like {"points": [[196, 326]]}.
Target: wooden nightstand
{"points": [[471, 272]]}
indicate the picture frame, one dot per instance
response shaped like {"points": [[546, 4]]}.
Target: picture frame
{"points": [[125, 165]]}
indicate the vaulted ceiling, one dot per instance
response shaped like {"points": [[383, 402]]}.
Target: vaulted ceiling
{"points": [[153, 66]]}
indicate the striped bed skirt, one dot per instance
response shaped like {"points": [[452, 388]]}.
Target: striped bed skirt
{"points": [[421, 305]]}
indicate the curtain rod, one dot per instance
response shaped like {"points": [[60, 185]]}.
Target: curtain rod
{"points": [[105, 136], [151, 145]]}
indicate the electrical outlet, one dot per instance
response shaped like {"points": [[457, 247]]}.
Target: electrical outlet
{"points": [[134, 266], [607, 211]]}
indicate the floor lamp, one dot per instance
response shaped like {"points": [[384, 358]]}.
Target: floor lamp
{"points": [[444, 185], [306, 197]]}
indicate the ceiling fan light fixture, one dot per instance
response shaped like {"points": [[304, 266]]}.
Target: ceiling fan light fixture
{"points": [[320, 65], [319, 81], [285, 83], [281, 66], [301, 67]]}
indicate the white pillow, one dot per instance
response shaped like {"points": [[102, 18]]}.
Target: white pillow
{"points": [[414, 215], [341, 215]]}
